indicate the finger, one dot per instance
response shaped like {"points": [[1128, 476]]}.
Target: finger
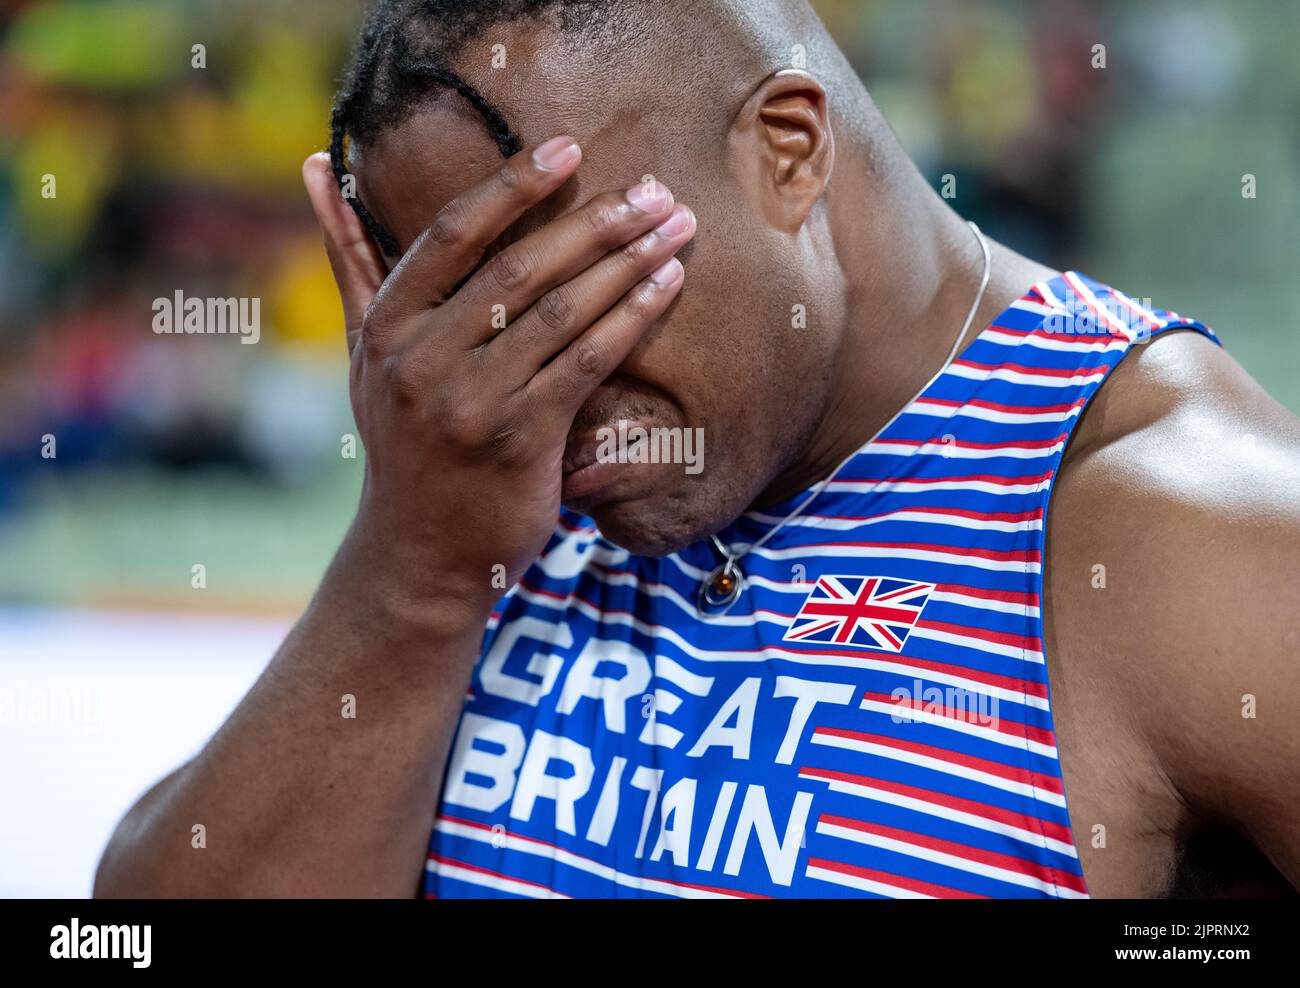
{"points": [[509, 284], [568, 380], [448, 250], [564, 312], [358, 269]]}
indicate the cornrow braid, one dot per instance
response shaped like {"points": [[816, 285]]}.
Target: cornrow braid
{"points": [[357, 90], [411, 72]]}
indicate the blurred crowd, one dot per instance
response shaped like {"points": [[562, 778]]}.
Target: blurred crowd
{"points": [[174, 130]]}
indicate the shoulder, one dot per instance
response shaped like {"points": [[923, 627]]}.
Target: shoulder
{"points": [[1174, 562], [1181, 449]]}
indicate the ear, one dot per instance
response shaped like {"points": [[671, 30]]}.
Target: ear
{"points": [[781, 149]]}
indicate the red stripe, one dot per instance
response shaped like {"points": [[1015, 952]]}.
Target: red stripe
{"points": [[1044, 334], [999, 637], [1006, 596], [486, 871], [964, 444], [555, 847], [995, 814], [1005, 555], [987, 478], [1100, 311], [1037, 371], [1000, 725], [998, 407], [1012, 773], [993, 859], [561, 523], [1012, 683], [1007, 516], [898, 881]]}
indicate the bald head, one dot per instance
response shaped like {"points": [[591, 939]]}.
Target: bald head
{"points": [[686, 64]]}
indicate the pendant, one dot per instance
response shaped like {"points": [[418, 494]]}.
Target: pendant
{"points": [[721, 589]]}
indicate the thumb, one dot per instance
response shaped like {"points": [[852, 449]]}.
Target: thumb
{"points": [[357, 266]]}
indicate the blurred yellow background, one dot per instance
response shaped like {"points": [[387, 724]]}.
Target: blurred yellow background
{"points": [[167, 176]]}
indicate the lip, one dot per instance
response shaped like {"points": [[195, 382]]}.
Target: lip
{"points": [[584, 481], [583, 473]]}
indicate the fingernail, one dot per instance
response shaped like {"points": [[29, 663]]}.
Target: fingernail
{"points": [[669, 274], [676, 224], [556, 153], [649, 197]]}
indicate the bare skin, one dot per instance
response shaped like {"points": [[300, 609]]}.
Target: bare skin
{"points": [[472, 438], [398, 619], [1180, 480]]}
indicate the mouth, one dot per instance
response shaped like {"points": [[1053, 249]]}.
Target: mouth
{"points": [[586, 472], [593, 471]]}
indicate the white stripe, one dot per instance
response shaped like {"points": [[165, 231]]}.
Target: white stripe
{"points": [[939, 765], [903, 515], [990, 414], [1055, 304], [1020, 377], [911, 714], [1028, 305], [1114, 322], [983, 604], [1041, 343], [557, 854], [472, 877], [945, 813], [956, 451], [882, 552], [979, 644], [943, 858], [1140, 310], [911, 486], [865, 884]]}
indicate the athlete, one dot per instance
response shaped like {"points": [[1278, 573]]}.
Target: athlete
{"points": [[986, 585]]}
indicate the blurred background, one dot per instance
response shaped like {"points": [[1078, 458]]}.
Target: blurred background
{"points": [[115, 663]]}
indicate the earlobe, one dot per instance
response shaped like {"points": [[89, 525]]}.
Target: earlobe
{"points": [[781, 143]]}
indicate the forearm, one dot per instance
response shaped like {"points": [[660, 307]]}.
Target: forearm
{"points": [[303, 791]]}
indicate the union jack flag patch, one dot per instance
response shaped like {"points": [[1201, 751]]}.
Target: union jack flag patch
{"points": [[860, 611]]}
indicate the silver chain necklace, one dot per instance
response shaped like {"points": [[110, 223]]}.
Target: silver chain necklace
{"points": [[722, 588]]}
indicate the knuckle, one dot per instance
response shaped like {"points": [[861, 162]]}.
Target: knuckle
{"points": [[448, 227], [512, 177], [370, 334], [402, 381], [588, 358], [639, 306], [637, 253], [604, 223], [556, 310], [461, 422], [509, 270]]}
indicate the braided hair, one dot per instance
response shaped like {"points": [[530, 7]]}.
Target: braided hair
{"points": [[402, 54]]}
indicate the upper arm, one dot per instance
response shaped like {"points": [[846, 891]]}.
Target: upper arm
{"points": [[1189, 493]]}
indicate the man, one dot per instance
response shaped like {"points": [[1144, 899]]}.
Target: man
{"points": [[819, 665]]}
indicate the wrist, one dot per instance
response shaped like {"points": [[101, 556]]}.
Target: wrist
{"points": [[406, 588]]}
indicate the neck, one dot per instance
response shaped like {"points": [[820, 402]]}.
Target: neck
{"points": [[911, 276]]}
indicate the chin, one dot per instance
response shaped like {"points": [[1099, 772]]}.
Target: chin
{"points": [[664, 519]]}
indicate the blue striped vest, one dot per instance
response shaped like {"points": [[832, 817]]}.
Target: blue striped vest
{"points": [[872, 718]]}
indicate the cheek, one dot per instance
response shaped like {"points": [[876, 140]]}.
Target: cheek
{"points": [[735, 355]]}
